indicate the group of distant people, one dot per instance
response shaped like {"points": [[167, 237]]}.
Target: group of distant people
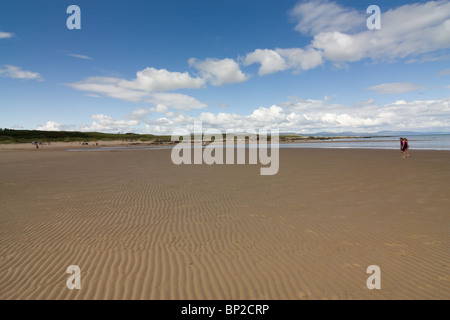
{"points": [[37, 143], [404, 147]]}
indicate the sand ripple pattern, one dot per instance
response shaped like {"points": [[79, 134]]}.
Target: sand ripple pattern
{"points": [[140, 227]]}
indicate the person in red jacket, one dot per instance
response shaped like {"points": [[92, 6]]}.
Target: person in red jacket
{"points": [[405, 148]]}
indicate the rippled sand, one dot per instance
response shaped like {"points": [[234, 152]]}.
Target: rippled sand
{"points": [[140, 227]]}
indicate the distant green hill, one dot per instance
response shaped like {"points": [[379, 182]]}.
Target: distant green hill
{"points": [[28, 136]]}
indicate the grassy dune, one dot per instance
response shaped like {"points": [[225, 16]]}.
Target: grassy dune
{"points": [[27, 136]]}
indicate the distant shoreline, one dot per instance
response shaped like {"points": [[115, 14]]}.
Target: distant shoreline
{"points": [[142, 145]]}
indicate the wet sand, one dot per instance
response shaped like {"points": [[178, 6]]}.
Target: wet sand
{"points": [[140, 227]]}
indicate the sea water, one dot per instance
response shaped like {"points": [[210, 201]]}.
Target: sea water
{"points": [[416, 142]]}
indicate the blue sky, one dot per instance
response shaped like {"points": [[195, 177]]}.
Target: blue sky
{"points": [[153, 66]]}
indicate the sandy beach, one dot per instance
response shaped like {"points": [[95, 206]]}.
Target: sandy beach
{"points": [[140, 227]]}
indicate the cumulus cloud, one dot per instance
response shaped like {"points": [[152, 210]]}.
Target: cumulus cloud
{"points": [[303, 116], [340, 35], [175, 100], [219, 72], [143, 88], [52, 126], [160, 108], [394, 88], [151, 79], [6, 35], [310, 116], [104, 123], [266, 116], [270, 60], [17, 73], [337, 46], [299, 59], [101, 123]]}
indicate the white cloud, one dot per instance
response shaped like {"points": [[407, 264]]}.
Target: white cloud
{"points": [[394, 88], [17, 73], [282, 59], [109, 87], [270, 60], [151, 79], [317, 16], [6, 35], [104, 123], [157, 129], [445, 72], [315, 115], [139, 114], [175, 100], [310, 116], [407, 30], [300, 59], [124, 90], [340, 35], [219, 72], [149, 86], [79, 56], [54, 126], [106, 120], [50, 126], [267, 116], [160, 108], [337, 46], [303, 116]]}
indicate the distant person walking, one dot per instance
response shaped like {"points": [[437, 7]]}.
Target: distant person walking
{"points": [[37, 144], [404, 147]]}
